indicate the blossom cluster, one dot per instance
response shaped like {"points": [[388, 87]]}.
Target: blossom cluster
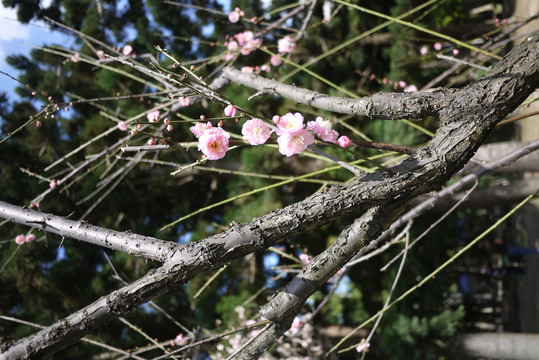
{"points": [[245, 42], [293, 135], [21, 238]]}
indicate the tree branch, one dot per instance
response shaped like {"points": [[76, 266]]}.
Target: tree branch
{"points": [[134, 244], [392, 106]]}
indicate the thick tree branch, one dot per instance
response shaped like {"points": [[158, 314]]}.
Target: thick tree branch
{"points": [[413, 105], [469, 115]]}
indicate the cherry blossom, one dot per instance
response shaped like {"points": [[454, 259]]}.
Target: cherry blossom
{"points": [[276, 119], [305, 258], [170, 127], [232, 45], [154, 116], [247, 69], [184, 101], [20, 239], [247, 42], [286, 45], [179, 340], [100, 54], [343, 141], [75, 58], [53, 184], [233, 17], [255, 131], [122, 125], [230, 110], [275, 60], [214, 143], [200, 128], [437, 46], [151, 141], [456, 51], [322, 129], [291, 143], [363, 346], [30, 238], [290, 123], [128, 49], [424, 50]]}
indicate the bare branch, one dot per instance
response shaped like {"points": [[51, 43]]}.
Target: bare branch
{"points": [[134, 244]]}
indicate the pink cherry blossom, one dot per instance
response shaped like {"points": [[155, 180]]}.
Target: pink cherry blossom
{"points": [[151, 141], [255, 131], [122, 125], [290, 123], [296, 323], [179, 340], [247, 69], [233, 17], [276, 119], [170, 127], [30, 238], [154, 116], [230, 110], [214, 143], [244, 37], [343, 141], [275, 60], [265, 67], [52, 184], [100, 54], [437, 46], [250, 46], [184, 101], [363, 346], [286, 45], [232, 45], [424, 50], [456, 51], [322, 129], [128, 49], [294, 143], [305, 258], [20, 239], [402, 84], [200, 128], [245, 41], [75, 58]]}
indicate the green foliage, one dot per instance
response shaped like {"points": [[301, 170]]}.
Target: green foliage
{"points": [[420, 337]]}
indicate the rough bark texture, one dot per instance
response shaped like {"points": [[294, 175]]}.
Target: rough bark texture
{"points": [[466, 116]]}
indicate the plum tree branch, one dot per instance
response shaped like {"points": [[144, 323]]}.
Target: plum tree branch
{"points": [[391, 106]]}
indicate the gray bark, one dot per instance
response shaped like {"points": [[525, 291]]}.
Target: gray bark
{"points": [[467, 116]]}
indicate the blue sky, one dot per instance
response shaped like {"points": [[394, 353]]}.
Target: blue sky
{"points": [[17, 38]]}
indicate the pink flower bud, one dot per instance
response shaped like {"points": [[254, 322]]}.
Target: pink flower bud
{"points": [[230, 110], [30, 238], [343, 141]]}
